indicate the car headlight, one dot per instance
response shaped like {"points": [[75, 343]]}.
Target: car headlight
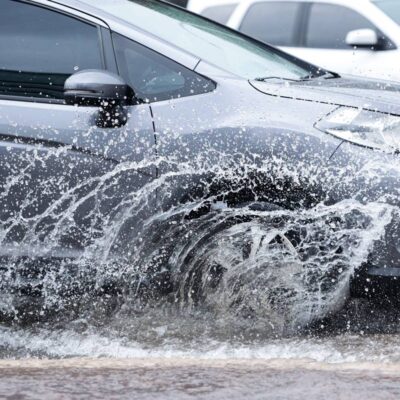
{"points": [[365, 128]]}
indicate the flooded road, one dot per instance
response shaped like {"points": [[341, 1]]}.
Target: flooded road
{"points": [[197, 297], [191, 378], [65, 364]]}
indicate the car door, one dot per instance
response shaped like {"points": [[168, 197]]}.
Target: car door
{"points": [[62, 177]]}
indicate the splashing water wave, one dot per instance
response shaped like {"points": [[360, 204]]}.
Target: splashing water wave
{"points": [[200, 266]]}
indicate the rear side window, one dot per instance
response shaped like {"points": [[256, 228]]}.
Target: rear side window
{"points": [[329, 25], [219, 14], [391, 8], [41, 48], [153, 76], [273, 22]]}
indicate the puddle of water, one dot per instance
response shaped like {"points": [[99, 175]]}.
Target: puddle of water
{"points": [[64, 344], [196, 379]]}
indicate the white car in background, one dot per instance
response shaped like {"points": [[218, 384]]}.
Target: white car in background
{"points": [[217, 10], [360, 37]]}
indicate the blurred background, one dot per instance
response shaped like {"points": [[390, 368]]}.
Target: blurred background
{"points": [[182, 3], [358, 37]]}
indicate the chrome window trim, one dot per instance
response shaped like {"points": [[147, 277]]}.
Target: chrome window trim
{"points": [[54, 5]]}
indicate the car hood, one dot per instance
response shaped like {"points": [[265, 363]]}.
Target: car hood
{"points": [[375, 95]]}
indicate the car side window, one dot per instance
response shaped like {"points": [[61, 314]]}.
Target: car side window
{"points": [[272, 22], [154, 77], [329, 25], [41, 48], [219, 14]]}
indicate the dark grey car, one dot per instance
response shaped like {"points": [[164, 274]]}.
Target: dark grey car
{"points": [[148, 150]]}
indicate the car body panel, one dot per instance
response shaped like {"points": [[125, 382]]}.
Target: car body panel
{"points": [[349, 91], [214, 114], [54, 125], [52, 152]]}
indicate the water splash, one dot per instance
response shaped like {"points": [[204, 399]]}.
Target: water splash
{"points": [[201, 249]]}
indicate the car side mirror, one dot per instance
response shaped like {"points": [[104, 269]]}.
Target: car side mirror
{"points": [[97, 88], [364, 38]]}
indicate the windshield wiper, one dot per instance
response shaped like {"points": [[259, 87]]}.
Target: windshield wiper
{"points": [[263, 79], [323, 74]]}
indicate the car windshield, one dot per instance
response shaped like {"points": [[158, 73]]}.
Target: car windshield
{"points": [[391, 8], [207, 40]]}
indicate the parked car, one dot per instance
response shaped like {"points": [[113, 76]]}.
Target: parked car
{"points": [[354, 37], [138, 137], [217, 10]]}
